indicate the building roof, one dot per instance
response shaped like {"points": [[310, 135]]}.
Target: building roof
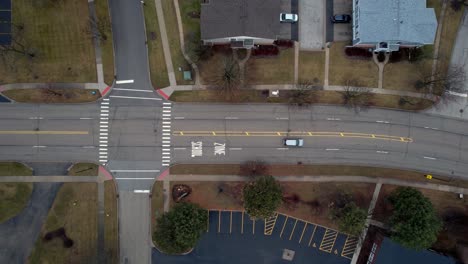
{"points": [[395, 20], [231, 18]]}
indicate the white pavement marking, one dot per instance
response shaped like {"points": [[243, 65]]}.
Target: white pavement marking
{"points": [[166, 126], [381, 121], [88, 147], [235, 148], [104, 122], [133, 97], [166, 130], [179, 117], [102, 149], [434, 128], [166, 123], [85, 118], [106, 99], [166, 111], [282, 148], [166, 118], [166, 114], [103, 137], [103, 161], [39, 146], [141, 191], [123, 81], [103, 157], [104, 111], [104, 126], [133, 90], [429, 158], [167, 107], [103, 130], [282, 118], [103, 141], [105, 103], [166, 146], [103, 145], [332, 149], [166, 149], [104, 114], [167, 103], [180, 148], [333, 119], [166, 142], [167, 138], [166, 134], [382, 152], [102, 153], [134, 178], [104, 106], [36, 118], [231, 117], [134, 170]]}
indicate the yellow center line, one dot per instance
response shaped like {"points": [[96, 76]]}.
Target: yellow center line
{"points": [[43, 132]]}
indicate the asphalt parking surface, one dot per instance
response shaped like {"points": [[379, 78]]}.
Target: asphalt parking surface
{"points": [[233, 237]]}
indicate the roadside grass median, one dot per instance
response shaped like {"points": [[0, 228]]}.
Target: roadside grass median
{"points": [[53, 95], [84, 169], [51, 36], [14, 196], [157, 62], [271, 70], [111, 222], [311, 67], [74, 210], [107, 46]]}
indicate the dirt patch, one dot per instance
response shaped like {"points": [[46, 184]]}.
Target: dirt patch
{"points": [[180, 192]]}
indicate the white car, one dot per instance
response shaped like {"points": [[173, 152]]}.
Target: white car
{"points": [[293, 142], [288, 18]]}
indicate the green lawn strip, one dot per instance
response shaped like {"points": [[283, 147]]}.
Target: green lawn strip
{"points": [[157, 203], [172, 29], [111, 227], [284, 170], [84, 169], [323, 97], [271, 70], [158, 71], [13, 198], [74, 209], [55, 32], [14, 169], [53, 95], [107, 48], [311, 67]]}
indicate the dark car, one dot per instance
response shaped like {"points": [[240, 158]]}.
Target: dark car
{"points": [[341, 18]]}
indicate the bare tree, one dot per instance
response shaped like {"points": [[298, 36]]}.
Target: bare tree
{"points": [[100, 29], [304, 95], [442, 82], [18, 45], [356, 97], [227, 79]]}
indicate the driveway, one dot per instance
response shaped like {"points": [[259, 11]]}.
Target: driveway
{"points": [[342, 32], [233, 237], [311, 24], [21, 232]]}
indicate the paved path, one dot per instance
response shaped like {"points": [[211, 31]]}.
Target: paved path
{"points": [[19, 234], [327, 66], [338, 178], [97, 46], [296, 62]]}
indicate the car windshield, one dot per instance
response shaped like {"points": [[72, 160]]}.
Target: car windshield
{"points": [[283, 16]]}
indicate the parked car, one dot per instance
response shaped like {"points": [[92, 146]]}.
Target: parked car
{"points": [[342, 18], [288, 18], [293, 142]]}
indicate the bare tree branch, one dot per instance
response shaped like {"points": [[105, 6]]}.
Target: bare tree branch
{"points": [[356, 97]]}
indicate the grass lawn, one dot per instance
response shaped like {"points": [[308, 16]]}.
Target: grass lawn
{"points": [[107, 48], [14, 169], [157, 202], [178, 59], [111, 225], [53, 95], [271, 70], [158, 71], [448, 206], [84, 169], [312, 67], [342, 68], [286, 170], [56, 34], [75, 209], [212, 66], [323, 97], [207, 195]]}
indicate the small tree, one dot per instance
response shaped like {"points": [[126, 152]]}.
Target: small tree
{"points": [[351, 218], [304, 95], [262, 197], [356, 97], [227, 79], [180, 229], [414, 221], [441, 82]]}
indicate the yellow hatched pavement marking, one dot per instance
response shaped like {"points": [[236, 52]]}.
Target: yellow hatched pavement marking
{"points": [[349, 247], [270, 224], [328, 240]]}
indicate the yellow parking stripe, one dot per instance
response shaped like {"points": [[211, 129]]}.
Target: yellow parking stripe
{"points": [[43, 132], [349, 247], [303, 230], [219, 221], [253, 226], [208, 222], [282, 229], [292, 232], [312, 236], [242, 223], [328, 240], [292, 133], [230, 224]]}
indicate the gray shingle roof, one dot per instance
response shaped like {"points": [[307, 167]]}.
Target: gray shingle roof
{"points": [[230, 18], [396, 20]]}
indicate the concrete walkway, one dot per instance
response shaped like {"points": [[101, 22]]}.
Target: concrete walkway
{"points": [[97, 48], [327, 66], [338, 178], [296, 62], [381, 66]]}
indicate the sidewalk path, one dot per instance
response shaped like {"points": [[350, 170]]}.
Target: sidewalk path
{"points": [[338, 178]]}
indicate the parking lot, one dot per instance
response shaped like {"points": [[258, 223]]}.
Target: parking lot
{"points": [[232, 237]]}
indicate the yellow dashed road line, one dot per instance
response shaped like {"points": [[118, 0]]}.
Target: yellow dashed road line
{"points": [[291, 134]]}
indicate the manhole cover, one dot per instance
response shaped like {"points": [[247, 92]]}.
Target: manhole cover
{"points": [[288, 254]]}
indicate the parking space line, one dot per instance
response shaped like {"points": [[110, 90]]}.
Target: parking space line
{"points": [[282, 229], [292, 232], [242, 225], [208, 222], [349, 247], [303, 230], [230, 224], [253, 226], [312, 236], [219, 221], [328, 240]]}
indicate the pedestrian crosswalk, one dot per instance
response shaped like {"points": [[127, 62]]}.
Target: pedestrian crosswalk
{"points": [[166, 133], [104, 131]]}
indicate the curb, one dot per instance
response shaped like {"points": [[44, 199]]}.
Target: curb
{"points": [[163, 94]]}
